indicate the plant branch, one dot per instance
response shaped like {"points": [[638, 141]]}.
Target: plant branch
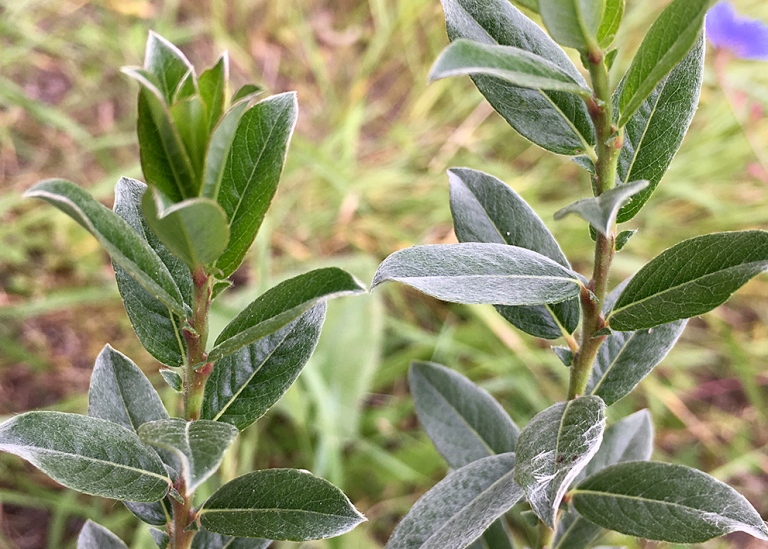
{"points": [[196, 336]]}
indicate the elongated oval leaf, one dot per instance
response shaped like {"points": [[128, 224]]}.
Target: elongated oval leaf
{"points": [[689, 279], [282, 504], [665, 502], [464, 421], [210, 540], [127, 249], [121, 393], [253, 170], [214, 84], [86, 454], [629, 439], [485, 209], [199, 444], [556, 121], [95, 536], [573, 23], [554, 447], [668, 41], [460, 507], [167, 64], [157, 328], [246, 383], [601, 211], [195, 230], [480, 273], [514, 65], [655, 132], [609, 26], [281, 305]]}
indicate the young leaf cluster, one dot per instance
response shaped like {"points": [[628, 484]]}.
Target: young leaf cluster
{"points": [[212, 160], [577, 476]]}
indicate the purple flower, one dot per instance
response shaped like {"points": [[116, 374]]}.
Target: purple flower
{"points": [[744, 37]]}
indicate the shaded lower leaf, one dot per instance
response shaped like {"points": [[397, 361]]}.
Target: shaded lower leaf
{"points": [[153, 513], [245, 384], [464, 421], [210, 540], [160, 538], [601, 211], [457, 510], [95, 536], [575, 532], [498, 536], [87, 454], [554, 447], [665, 502], [282, 504]]}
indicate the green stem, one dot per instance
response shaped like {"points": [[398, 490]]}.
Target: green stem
{"points": [[609, 143]]}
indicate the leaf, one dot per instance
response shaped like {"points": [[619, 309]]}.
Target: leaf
{"points": [[665, 502], [195, 229], [200, 445], [575, 532], [121, 393], [573, 23], [190, 117], [157, 513], [173, 380], [210, 540], [281, 305], [554, 447], [497, 536], [480, 273], [655, 132], [166, 63], [486, 209], [629, 439], [690, 278], [668, 41], [600, 211], [623, 237], [245, 384], [86, 454], [464, 421], [253, 170], [158, 329], [556, 121], [281, 504], [609, 26], [460, 507], [246, 90], [161, 143], [95, 536], [126, 247], [514, 65], [213, 84], [160, 538]]}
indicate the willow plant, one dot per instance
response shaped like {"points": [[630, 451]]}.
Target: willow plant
{"points": [[576, 476], [212, 160]]}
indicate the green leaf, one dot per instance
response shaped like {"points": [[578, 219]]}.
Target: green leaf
{"points": [[480, 273], [655, 132], [86, 454], [668, 41], [173, 380], [126, 247], [554, 120], [167, 64], [213, 84], [168, 164], [573, 23], [245, 384], [219, 146], [195, 230], [245, 91], [121, 393], [600, 211], [623, 237], [629, 439], [210, 540], [464, 421], [514, 65], [609, 26], [554, 447], [253, 170], [158, 329], [157, 513], [281, 305], [160, 538], [665, 502], [575, 532], [625, 358], [95, 536], [486, 209], [689, 279], [460, 507], [564, 354], [281, 504], [200, 445], [497, 536], [190, 117]]}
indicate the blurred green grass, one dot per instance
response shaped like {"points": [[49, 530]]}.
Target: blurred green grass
{"points": [[365, 176]]}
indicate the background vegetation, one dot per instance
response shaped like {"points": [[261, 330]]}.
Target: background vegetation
{"points": [[365, 176]]}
